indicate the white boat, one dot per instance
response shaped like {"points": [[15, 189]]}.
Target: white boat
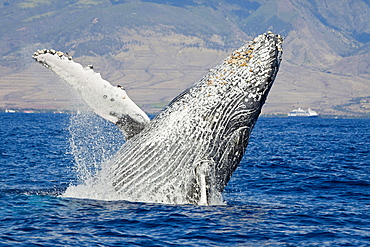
{"points": [[303, 113], [9, 111]]}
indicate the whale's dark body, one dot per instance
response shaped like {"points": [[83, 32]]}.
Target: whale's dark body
{"points": [[188, 152]]}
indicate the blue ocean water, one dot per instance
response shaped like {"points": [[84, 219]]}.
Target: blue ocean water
{"points": [[302, 182]]}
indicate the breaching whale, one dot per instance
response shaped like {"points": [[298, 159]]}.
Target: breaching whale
{"points": [[189, 151]]}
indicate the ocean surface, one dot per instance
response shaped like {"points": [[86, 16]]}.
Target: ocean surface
{"points": [[302, 182]]}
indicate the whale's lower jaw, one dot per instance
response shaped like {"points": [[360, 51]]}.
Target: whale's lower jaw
{"points": [[188, 153]]}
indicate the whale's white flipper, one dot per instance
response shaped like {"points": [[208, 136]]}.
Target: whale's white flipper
{"points": [[109, 102]]}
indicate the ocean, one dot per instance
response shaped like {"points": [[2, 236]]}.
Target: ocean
{"points": [[302, 182]]}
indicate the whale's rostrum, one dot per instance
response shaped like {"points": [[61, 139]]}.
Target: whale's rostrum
{"points": [[189, 151]]}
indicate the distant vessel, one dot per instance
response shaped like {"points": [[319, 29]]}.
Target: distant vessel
{"points": [[9, 111], [303, 113]]}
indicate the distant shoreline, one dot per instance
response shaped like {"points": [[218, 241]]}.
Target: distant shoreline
{"points": [[277, 115]]}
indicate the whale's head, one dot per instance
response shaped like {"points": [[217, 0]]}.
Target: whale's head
{"points": [[248, 72], [237, 87]]}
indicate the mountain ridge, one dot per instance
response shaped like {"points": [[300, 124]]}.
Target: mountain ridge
{"points": [[156, 49]]}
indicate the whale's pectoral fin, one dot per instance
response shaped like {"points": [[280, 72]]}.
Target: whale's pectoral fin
{"points": [[110, 102], [201, 188]]}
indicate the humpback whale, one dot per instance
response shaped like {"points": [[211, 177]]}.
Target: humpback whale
{"points": [[188, 152]]}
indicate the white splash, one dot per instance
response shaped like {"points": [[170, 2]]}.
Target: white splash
{"points": [[93, 142]]}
